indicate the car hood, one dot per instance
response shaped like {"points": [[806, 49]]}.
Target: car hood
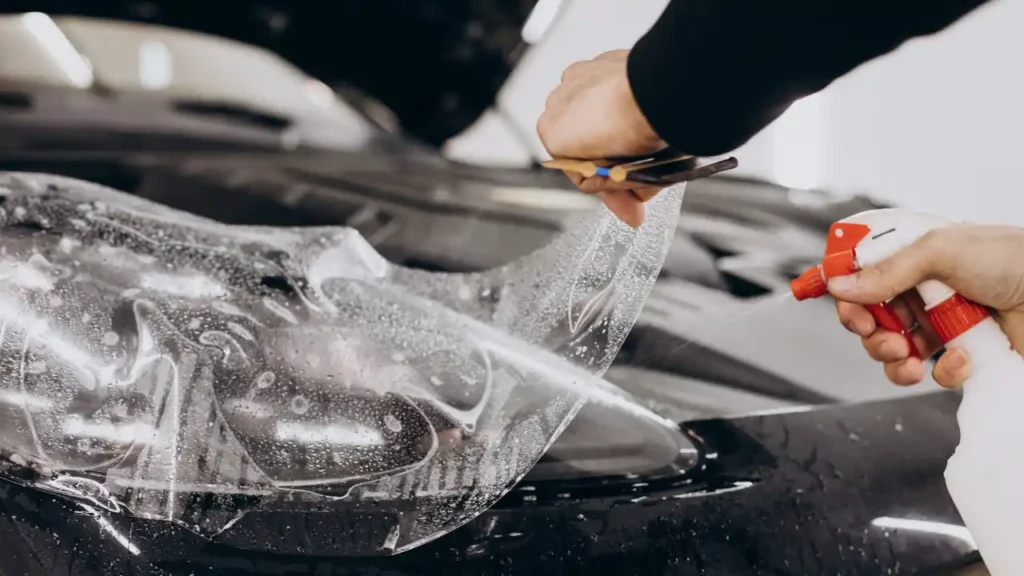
{"points": [[719, 313], [734, 248]]}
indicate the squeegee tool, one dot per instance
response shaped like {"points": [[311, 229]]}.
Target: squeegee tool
{"points": [[660, 169]]}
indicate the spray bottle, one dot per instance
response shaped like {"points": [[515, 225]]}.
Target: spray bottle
{"points": [[983, 475]]}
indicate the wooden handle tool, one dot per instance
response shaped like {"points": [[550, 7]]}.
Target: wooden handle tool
{"points": [[661, 169]]}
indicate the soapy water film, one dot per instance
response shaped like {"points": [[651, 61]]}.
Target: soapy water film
{"points": [[164, 366]]}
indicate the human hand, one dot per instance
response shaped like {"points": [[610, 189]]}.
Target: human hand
{"points": [[982, 263], [592, 115]]}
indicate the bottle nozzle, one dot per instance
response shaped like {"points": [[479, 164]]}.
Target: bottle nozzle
{"points": [[810, 284]]}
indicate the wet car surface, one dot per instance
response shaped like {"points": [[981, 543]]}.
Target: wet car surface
{"points": [[855, 489], [805, 492], [780, 465]]}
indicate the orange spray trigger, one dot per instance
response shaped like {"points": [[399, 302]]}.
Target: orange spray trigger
{"points": [[811, 284], [887, 319]]}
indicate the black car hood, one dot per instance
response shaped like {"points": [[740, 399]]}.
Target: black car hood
{"points": [[829, 491], [715, 315], [770, 477]]}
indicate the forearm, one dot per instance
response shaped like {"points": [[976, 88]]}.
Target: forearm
{"points": [[711, 74]]}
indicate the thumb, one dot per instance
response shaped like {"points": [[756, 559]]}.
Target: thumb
{"points": [[889, 278]]}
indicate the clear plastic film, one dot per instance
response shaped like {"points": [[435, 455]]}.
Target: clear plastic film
{"points": [[165, 366]]}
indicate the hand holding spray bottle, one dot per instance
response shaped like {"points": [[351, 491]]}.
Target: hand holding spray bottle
{"points": [[982, 477]]}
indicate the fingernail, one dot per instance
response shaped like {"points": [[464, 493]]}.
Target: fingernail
{"points": [[857, 329], [957, 360], [843, 283], [887, 348]]}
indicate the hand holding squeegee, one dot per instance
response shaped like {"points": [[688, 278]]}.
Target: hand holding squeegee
{"points": [[625, 183], [661, 169]]}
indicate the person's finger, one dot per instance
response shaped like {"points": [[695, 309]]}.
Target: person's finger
{"points": [[576, 177], [557, 133], [550, 102], [915, 306], [555, 105], [906, 372], [1012, 323], [600, 184], [909, 308], [891, 277], [625, 205], [856, 318], [646, 193], [611, 55], [643, 192], [886, 346], [903, 311], [926, 341], [925, 338], [952, 369], [575, 70]]}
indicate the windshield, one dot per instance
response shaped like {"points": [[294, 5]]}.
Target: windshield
{"points": [[184, 73]]}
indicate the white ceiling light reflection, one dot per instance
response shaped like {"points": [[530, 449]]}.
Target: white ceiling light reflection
{"points": [[338, 433], [75, 66], [544, 198], [59, 346], [25, 275], [76, 426], [540, 20], [156, 66], [928, 527], [188, 286], [25, 400], [111, 530], [318, 93]]}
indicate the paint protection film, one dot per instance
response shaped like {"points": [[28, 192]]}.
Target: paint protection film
{"points": [[158, 365]]}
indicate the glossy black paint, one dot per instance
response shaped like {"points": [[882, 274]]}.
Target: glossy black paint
{"points": [[792, 493], [419, 192], [788, 493]]}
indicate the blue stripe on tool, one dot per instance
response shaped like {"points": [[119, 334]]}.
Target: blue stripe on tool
{"points": [[603, 172]]}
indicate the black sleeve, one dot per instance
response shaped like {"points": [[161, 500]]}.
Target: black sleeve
{"points": [[710, 74]]}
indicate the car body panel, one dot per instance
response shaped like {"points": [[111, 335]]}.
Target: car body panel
{"points": [[421, 211], [807, 461], [799, 492]]}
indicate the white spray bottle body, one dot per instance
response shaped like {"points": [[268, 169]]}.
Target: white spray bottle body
{"points": [[983, 476]]}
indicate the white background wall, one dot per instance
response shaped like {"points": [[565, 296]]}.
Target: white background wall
{"points": [[938, 125]]}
